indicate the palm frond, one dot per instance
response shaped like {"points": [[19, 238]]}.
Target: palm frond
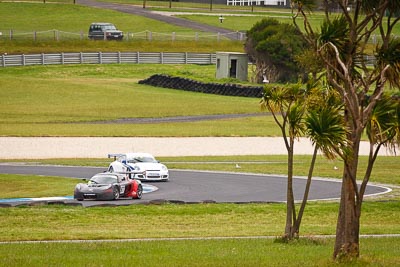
{"points": [[326, 129], [390, 55], [383, 125], [295, 119], [335, 32]]}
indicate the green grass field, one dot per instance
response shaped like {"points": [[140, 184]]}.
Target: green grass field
{"points": [[248, 252], [66, 100], [60, 100], [59, 222], [190, 221], [28, 17]]}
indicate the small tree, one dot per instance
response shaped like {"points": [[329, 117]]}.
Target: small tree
{"points": [[298, 109], [285, 104], [272, 46]]}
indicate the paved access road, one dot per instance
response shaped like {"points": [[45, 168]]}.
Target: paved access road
{"points": [[197, 186]]}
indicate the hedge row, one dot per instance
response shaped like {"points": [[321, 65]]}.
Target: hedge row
{"points": [[179, 83]]}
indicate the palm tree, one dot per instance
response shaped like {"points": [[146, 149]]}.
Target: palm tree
{"points": [[325, 128], [310, 109], [383, 129], [341, 44], [286, 104]]}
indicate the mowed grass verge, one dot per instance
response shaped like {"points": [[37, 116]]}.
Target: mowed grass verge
{"points": [[188, 221], [60, 222], [70, 100], [247, 252]]}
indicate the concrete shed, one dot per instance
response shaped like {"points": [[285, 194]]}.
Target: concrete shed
{"points": [[232, 65]]}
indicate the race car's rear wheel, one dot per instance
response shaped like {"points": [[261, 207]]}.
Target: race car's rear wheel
{"points": [[139, 192], [116, 193]]}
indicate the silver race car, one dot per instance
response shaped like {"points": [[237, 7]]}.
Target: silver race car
{"points": [[109, 186]]}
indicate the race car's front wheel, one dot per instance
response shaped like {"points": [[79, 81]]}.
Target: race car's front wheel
{"points": [[139, 192], [116, 193]]}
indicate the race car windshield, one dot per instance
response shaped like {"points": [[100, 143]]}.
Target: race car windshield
{"points": [[103, 179], [142, 159], [109, 27]]}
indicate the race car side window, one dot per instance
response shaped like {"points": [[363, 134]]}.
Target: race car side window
{"points": [[122, 159]]}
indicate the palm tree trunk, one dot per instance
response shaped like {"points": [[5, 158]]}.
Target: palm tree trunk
{"points": [[348, 224], [347, 231], [306, 192], [290, 208]]}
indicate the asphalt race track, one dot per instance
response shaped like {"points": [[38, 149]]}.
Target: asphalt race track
{"points": [[197, 186]]}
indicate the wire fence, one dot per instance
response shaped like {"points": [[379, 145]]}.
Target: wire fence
{"points": [[58, 35]]}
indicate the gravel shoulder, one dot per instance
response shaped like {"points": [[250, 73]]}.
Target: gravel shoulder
{"points": [[100, 147]]}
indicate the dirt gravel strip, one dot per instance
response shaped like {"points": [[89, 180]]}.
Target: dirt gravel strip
{"points": [[100, 147]]}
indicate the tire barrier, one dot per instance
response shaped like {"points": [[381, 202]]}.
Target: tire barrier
{"points": [[166, 81]]}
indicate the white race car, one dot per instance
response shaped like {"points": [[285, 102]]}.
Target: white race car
{"points": [[141, 166]]}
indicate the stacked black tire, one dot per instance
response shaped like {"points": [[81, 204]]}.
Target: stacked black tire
{"points": [[166, 81]]}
